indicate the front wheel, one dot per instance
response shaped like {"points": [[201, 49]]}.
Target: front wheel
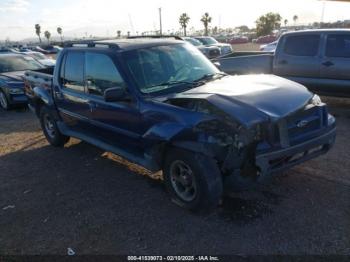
{"points": [[50, 129], [192, 179]]}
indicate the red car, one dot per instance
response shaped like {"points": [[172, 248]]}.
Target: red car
{"points": [[266, 39]]}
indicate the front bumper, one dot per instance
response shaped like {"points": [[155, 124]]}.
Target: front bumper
{"points": [[276, 161]]}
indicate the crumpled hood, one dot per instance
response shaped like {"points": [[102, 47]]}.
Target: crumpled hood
{"points": [[252, 99], [16, 76]]}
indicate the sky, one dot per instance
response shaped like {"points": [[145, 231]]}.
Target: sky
{"points": [[104, 17]]}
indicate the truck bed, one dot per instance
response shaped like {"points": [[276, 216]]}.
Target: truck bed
{"points": [[40, 77], [37, 78]]}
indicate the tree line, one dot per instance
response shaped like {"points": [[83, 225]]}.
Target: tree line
{"points": [[265, 25], [47, 34]]}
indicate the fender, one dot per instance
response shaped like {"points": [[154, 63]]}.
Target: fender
{"points": [[164, 131], [163, 135]]}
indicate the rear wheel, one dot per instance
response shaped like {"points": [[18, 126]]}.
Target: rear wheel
{"points": [[192, 180], [3, 101], [50, 129]]}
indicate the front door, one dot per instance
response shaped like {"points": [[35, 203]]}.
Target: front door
{"points": [[116, 123], [335, 67]]}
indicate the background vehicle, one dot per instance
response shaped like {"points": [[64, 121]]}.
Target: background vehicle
{"points": [[318, 59], [269, 47], [238, 40], [41, 58], [51, 49], [12, 67], [208, 51], [265, 39], [210, 41], [164, 105]]}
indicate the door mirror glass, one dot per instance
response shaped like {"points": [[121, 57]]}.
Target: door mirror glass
{"points": [[115, 94]]}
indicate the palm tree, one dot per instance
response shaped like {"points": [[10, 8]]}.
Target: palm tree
{"points": [[38, 31], [119, 33], [206, 20], [285, 22], [295, 19], [183, 20], [47, 35], [59, 31]]}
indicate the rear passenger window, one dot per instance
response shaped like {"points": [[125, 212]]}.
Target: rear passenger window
{"points": [[101, 74], [73, 77], [338, 46], [302, 45]]}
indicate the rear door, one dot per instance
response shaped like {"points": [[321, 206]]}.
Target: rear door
{"points": [[335, 67], [70, 94], [117, 123], [299, 56]]}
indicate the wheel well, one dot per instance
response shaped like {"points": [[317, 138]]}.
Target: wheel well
{"points": [[194, 147]]}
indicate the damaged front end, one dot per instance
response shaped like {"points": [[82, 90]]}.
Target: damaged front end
{"points": [[232, 144], [247, 154]]}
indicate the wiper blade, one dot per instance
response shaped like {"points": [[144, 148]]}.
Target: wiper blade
{"points": [[207, 77], [170, 83]]}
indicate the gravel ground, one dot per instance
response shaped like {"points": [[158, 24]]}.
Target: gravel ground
{"points": [[82, 198]]}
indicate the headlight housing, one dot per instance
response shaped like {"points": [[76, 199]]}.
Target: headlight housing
{"points": [[316, 100], [16, 91]]}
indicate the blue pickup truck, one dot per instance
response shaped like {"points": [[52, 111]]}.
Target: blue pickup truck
{"points": [[162, 104]]}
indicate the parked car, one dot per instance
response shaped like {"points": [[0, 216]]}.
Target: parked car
{"points": [[41, 58], [12, 67], [238, 40], [39, 49], [163, 105], [208, 51], [265, 39], [210, 41], [318, 59], [269, 47], [51, 49]]}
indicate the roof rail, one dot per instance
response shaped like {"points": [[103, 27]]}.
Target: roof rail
{"points": [[155, 36], [90, 44]]}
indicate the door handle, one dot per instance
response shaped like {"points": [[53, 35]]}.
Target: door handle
{"points": [[283, 62], [59, 94], [328, 64]]}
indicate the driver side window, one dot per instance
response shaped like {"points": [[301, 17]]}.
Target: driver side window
{"points": [[101, 73]]}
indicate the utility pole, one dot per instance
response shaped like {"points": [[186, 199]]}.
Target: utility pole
{"points": [[160, 21]]}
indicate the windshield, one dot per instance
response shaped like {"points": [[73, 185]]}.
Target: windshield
{"points": [[193, 41], [18, 63], [165, 68], [208, 40]]}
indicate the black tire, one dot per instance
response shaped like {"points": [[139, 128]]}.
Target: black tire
{"points": [[207, 187], [4, 104], [50, 129]]}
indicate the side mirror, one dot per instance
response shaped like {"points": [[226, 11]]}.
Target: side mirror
{"points": [[115, 94], [217, 64]]}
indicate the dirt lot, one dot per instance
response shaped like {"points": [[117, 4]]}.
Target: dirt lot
{"points": [[82, 198], [246, 47]]}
